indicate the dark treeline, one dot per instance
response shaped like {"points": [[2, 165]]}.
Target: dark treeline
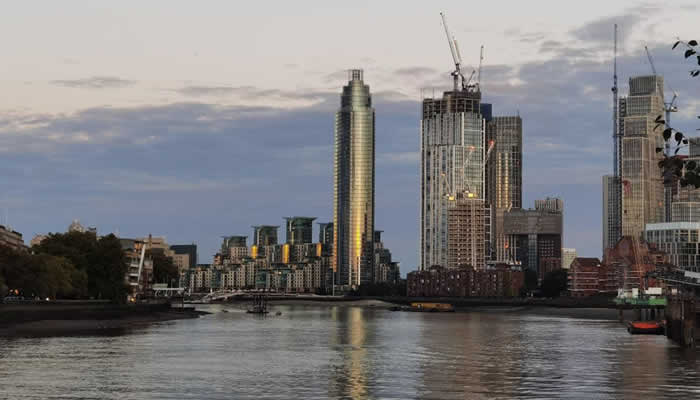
{"points": [[70, 265]]}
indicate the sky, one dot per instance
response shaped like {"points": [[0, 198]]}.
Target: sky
{"points": [[194, 120]]}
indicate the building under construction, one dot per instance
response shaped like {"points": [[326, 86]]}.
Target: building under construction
{"points": [[642, 183], [452, 159], [466, 232]]}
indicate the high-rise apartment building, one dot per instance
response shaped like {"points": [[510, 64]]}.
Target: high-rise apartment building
{"points": [[325, 238], [353, 210], [265, 235], [190, 250], [504, 176], [642, 184], [300, 230], [452, 163], [535, 234]]}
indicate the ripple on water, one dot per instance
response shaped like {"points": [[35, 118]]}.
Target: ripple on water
{"points": [[349, 352]]}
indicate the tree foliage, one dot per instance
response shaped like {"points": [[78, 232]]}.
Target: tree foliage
{"points": [[674, 167], [164, 270], [554, 283], [530, 279], [41, 275], [99, 265], [691, 53]]}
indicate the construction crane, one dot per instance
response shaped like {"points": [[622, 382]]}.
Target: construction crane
{"points": [[481, 60], [449, 194], [669, 107], [456, 57]]}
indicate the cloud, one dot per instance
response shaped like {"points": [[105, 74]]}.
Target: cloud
{"points": [[199, 168], [95, 82], [416, 72]]}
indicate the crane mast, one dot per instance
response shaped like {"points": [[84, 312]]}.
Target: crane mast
{"points": [[617, 142], [455, 53], [669, 107], [481, 60]]}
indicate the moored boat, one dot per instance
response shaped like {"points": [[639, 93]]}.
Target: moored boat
{"points": [[646, 327]]}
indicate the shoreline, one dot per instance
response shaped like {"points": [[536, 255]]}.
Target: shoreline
{"points": [[587, 310], [457, 302], [46, 320]]}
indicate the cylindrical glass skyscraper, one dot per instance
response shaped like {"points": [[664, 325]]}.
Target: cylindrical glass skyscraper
{"points": [[353, 207]]}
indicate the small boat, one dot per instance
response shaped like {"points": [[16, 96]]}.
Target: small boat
{"points": [[259, 305], [645, 327], [432, 307]]}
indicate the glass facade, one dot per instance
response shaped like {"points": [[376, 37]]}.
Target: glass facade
{"points": [[504, 177], [300, 230], [353, 211], [642, 185], [452, 165], [679, 240]]}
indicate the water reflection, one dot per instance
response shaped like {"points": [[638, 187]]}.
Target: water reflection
{"points": [[354, 353], [350, 377]]}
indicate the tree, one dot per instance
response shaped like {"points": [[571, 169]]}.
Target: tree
{"points": [[690, 50], [164, 270], [41, 275], [530, 279], [554, 283], [100, 264], [673, 167]]}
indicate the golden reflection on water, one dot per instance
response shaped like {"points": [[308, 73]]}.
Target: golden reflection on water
{"points": [[351, 379]]}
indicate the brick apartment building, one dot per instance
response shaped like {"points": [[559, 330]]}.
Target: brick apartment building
{"points": [[500, 281]]}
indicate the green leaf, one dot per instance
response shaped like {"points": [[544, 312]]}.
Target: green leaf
{"points": [[678, 137], [693, 42], [667, 133], [689, 53], [675, 45]]}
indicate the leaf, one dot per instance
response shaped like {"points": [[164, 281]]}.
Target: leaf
{"points": [[693, 42], [658, 119], [667, 133], [689, 53], [678, 137], [675, 45]]}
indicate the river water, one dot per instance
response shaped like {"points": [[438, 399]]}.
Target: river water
{"points": [[332, 352]]}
